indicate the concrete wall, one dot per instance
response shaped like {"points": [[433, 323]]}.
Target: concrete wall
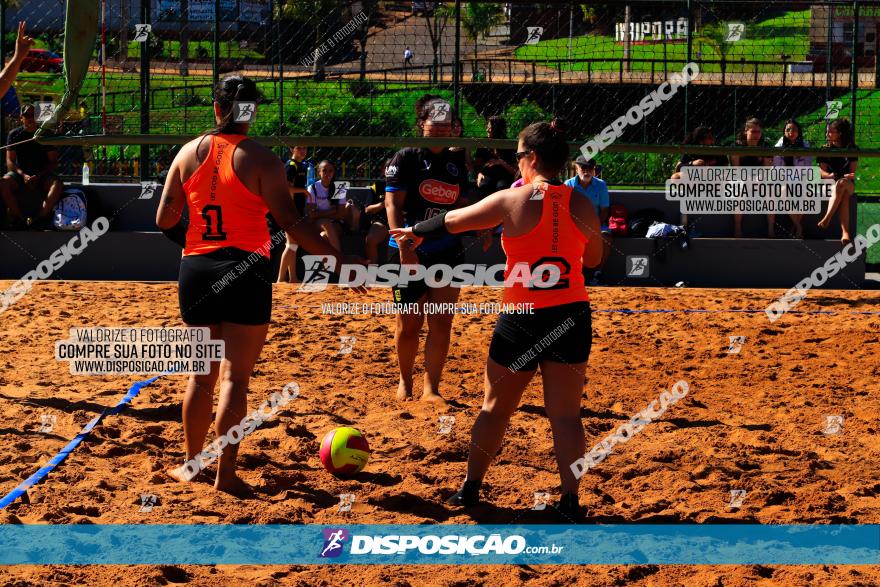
{"points": [[133, 250]]}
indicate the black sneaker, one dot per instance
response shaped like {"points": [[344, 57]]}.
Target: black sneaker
{"points": [[467, 496], [570, 509]]}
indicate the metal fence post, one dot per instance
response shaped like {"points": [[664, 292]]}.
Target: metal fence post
{"points": [[456, 81], [145, 93], [280, 79], [3, 62], [828, 42], [215, 63], [854, 67], [690, 50]]}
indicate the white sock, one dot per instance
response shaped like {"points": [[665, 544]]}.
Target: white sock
{"points": [[292, 247]]}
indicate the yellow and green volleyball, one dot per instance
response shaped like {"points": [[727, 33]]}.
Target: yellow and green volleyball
{"points": [[344, 451]]}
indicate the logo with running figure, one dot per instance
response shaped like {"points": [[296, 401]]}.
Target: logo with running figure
{"points": [[334, 538], [244, 111], [636, 266], [319, 268], [735, 32], [533, 34], [832, 109]]}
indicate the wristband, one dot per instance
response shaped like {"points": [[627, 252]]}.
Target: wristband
{"points": [[177, 233], [433, 227]]}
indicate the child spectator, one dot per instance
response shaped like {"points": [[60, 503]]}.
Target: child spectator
{"points": [[495, 168], [328, 208], [297, 170], [752, 135], [702, 135], [377, 219], [843, 171], [793, 137]]}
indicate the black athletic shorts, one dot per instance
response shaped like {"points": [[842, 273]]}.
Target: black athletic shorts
{"points": [[414, 290], [562, 334], [229, 285]]}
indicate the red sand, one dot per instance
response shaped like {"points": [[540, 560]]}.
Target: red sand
{"points": [[751, 421]]}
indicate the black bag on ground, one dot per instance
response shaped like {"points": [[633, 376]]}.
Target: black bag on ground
{"points": [[640, 221]]}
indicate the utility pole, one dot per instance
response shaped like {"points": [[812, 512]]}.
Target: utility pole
{"points": [[570, 32], [627, 39]]}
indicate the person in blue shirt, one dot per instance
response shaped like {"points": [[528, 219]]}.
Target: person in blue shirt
{"points": [[594, 189]]}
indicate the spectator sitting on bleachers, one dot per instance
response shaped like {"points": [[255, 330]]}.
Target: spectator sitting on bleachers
{"points": [[793, 136], [495, 168], [463, 161], [594, 189], [328, 209], [702, 135], [30, 189], [377, 218], [843, 171], [752, 135]]}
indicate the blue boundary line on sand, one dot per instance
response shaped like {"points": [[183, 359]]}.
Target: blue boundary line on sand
{"points": [[133, 391]]}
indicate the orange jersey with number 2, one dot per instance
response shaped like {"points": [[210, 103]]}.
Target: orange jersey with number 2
{"points": [[557, 241], [222, 211]]}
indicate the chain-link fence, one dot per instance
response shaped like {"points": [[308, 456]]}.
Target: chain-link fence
{"points": [[331, 69]]}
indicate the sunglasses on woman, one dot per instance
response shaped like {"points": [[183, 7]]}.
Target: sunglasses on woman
{"points": [[520, 154]]}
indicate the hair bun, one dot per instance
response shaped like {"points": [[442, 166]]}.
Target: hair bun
{"points": [[559, 126]]}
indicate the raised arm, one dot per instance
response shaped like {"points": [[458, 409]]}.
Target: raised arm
{"points": [[23, 44]]}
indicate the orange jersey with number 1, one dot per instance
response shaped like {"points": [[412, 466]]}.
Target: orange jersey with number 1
{"points": [[222, 211], [556, 241]]}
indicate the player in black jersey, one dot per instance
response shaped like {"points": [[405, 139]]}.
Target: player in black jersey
{"points": [[421, 183]]}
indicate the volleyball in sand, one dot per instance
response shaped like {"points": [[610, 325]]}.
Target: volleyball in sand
{"points": [[344, 451]]}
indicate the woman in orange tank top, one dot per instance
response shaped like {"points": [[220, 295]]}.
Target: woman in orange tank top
{"points": [[228, 183], [548, 235]]}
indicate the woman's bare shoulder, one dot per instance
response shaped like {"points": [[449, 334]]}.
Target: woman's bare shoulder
{"points": [[261, 155]]}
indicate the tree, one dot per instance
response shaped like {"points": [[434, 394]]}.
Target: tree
{"points": [[370, 9], [479, 19], [440, 16], [603, 17], [312, 13], [184, 36], [715, 36], [125, 22]]}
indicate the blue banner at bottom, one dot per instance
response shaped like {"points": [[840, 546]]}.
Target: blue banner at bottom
{"points": [[441, 544]]}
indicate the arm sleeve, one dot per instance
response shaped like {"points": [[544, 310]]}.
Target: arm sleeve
{"points": [[312, 198]]}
